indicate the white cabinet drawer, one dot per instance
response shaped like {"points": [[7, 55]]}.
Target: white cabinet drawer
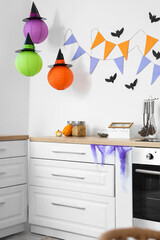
{"points": [[81, 177], [13, 171], [13, 148], [71, 211], [13, 206], [66, 151]]}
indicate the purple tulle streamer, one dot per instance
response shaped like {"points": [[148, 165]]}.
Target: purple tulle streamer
{"points": [[104, 150], [107, 150], [122, 151]]}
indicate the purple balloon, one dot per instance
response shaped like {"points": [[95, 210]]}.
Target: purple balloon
{"points": [[37, 29]]}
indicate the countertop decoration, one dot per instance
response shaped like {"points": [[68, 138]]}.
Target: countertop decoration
{"points": [[123, 47], [28, 62], [60, 76], [35, 26]]}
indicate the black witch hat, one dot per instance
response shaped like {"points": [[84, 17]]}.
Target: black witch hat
{"points": [[28, 45], [34, 14], [60, 61]]}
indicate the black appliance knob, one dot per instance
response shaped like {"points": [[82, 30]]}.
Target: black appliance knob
{"points": [[150, 156]]}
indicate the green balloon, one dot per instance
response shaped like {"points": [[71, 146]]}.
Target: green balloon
{"points": [[28, 63]]}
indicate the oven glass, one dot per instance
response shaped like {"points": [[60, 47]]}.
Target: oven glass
{"points": [[146, 192]]}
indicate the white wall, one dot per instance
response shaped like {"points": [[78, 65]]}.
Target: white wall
{"points": [[14, 86], [90, 97]]}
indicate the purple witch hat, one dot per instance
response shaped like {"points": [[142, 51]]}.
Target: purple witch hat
{"points": [[28, 45], [34, 14]]}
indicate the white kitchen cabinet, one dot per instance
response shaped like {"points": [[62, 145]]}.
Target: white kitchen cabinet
{"points": [[13, 171], [71, 211], [13, 187], [80, 177], [70, 197]]}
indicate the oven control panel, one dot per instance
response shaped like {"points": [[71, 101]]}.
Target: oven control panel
{"points": [[146, 155]]}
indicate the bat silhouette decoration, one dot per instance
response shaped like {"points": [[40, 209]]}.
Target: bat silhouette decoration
{"points": [[156, 54], [111, 78], [117, 33], [153, 18], [132, 85]]}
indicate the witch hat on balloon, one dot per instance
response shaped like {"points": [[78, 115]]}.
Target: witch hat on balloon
{"points": [[60, 61], [34, 14], [28, 45]]}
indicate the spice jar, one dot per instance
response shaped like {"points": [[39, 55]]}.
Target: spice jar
{"points": [[78, 128]]}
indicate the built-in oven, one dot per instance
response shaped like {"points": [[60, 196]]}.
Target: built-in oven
{"points": [[146, 187]]}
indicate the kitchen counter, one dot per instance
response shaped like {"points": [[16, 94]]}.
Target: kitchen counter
{"points": [[96, 140], [13, 137]]}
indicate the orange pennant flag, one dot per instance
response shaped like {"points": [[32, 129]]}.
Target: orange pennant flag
{"points": [[108, 48], [98, 39], [150, 41], [124, 48]]}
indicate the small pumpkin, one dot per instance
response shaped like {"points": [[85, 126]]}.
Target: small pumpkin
{"points": [[59, 133], [67, 131]]}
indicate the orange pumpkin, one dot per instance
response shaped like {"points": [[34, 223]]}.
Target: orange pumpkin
{"points": [[67, 131]]}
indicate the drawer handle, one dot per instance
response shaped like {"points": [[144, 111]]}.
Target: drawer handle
{"points": [[69, 206], [2, 173], [3, 149], [78, 153], [66, 176], [2, 202], [147, 171]]}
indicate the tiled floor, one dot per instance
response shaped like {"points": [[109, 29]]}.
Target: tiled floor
{"points": [[24, 236], [27, 235]]}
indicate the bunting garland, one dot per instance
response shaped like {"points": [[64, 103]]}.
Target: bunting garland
{"points": [[124, 48], [119, 61], [93, 63], [108, 48], [156, 73], [99, 39], [150, 42], [144, 62], [78, 53], [70, 40]]}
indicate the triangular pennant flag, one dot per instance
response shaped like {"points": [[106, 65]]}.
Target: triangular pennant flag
{"points": [[119, 62], [78, 53], [93, 62], [156, 73], [70, 40], [124, 48], [98, 39], [108, 48], [144, 62], [150, 41]]}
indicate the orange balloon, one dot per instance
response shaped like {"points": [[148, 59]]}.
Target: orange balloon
{"points": [[60, 77]]}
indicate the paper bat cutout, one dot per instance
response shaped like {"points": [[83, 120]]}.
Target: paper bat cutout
{"points": [[111, 78], [153, 18], [117, 33], [132, 85], [156, 54]]}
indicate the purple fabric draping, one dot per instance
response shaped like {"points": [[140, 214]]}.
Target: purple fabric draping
{"points": [[122, 151], [107, 150], [104, 150]]}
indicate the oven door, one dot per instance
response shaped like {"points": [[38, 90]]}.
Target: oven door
{"points": [[146, 192]]}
